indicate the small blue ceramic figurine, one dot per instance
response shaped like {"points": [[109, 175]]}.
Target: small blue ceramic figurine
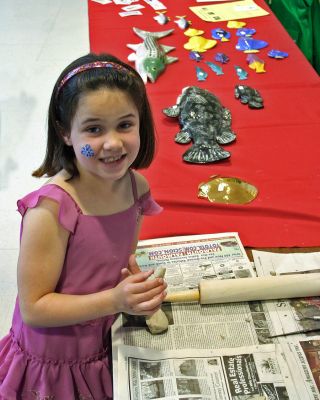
{"points": [[242, 74], [215, 68], [201, 74], [277, 54], [245, 32], [220, 34], [221, 57], [195, 55], [248, 44]]}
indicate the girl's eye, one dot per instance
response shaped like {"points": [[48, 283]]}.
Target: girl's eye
{"points": [[126, 125], [94, 130]]}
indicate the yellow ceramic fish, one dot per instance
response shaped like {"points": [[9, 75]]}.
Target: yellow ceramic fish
{"points": [[255, 63], [227, 190], [193, 32], [200, 44], [257, 66], [236, 24]]}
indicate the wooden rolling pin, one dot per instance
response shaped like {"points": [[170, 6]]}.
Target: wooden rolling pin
{"points": [[247, 289]]}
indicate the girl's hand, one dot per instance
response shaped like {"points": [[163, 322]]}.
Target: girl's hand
{"points": [[138, 296], [132, 267]]}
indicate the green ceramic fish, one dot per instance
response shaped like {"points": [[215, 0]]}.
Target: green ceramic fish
{"points": [[149, 56]]}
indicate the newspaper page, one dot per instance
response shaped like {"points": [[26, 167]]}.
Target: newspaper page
{"points": [[254, 372], [304, 359], [290, 315], [191, 325], [187, 260]]}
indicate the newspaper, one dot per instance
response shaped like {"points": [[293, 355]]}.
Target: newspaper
{"points": [[193, 329], [187, 260], [290, 315], [253, 372], [286, 263], [304, 358]]}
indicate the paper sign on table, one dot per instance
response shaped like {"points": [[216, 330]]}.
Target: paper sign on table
{"points": [[229, 11]]}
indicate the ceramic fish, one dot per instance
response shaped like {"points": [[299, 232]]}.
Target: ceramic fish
{"points": [[161, 18], [215, 68], [245, 32], [193, 32], [221, 57], [277, 54], [242, 74], [150, 57], [204, 121], [255, 63], [227, 190], [220, 34], [201, 74], [195, 55], [236, 24], [182, 22], [249, 95], [200, 44], [248, 44]]}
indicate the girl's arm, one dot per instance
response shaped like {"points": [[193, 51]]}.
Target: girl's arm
{"points": [[142, 188], [42, 252]]}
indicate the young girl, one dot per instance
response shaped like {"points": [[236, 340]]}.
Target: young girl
{"points": [[77, 233]]}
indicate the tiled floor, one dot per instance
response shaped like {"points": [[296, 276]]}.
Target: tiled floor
{"points": [[37, 40]]}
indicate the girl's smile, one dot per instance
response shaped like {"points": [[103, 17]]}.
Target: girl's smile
{"points": [[106, 124]]}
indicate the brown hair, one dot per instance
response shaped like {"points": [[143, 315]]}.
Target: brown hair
{"points": [[64, 102]]}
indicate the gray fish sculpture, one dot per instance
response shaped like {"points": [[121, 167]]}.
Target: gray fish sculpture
{"points": [[149, 56], [204, 121]]}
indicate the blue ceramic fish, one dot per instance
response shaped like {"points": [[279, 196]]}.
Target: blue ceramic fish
{"points": [[245, 32], [242, 74], [221, 57], [204, 121], [277, 54], [150, 57], [220, 34], [215, 68], [201, 74], [195, 55], [249, 44]]}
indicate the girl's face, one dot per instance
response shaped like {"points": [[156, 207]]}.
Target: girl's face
{"points": [[105, 133]]}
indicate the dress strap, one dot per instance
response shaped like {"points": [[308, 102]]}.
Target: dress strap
{"points": [[134, 185]]}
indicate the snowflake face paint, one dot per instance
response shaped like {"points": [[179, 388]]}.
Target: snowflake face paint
{"points": [[87, 151]]}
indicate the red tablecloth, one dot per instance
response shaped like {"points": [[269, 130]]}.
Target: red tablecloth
{"points": [[277, 148]]}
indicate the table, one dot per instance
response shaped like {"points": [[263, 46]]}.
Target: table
{"points": [[277, 148]]}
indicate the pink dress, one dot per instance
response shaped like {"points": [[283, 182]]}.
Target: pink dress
{"points": [[72, 362]]}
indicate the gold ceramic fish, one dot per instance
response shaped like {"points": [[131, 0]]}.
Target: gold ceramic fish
{"points": [[193, 32], [236, 24], [200, 44], [228, 190]]}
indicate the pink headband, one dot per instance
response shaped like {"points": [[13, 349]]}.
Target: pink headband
{"points": [[85, 67]]}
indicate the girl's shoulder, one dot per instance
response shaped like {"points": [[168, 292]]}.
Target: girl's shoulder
{"points": [[66, 209], [141, 182], [147, 204]]}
